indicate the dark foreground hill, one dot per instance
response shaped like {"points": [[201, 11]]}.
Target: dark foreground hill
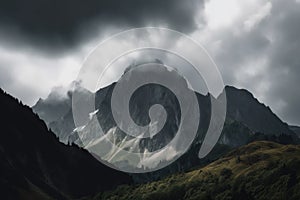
{"points": [[259, 170], [35, 165]]}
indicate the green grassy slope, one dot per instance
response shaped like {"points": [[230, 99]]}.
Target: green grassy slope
{"points": [[260, 170]]}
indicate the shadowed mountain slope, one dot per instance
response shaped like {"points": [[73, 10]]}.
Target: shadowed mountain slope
{"points": [[35, 165], [296, 129]]}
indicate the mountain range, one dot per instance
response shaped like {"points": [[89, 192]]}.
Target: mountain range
{"points": [[242, 107], [247, 120], [36, 163]]}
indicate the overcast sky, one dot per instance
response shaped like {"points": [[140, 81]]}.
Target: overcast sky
{"points": [[255, 43]]}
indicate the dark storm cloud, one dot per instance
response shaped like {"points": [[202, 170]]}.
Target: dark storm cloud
{"points": [[63, 23]]}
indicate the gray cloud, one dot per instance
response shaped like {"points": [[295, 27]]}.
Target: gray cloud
{"points": [[8, 81], [264, 59], [285, 59], [62, 24]]}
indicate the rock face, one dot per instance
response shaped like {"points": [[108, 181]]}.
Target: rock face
{"points": [[54, 107], [245, 108], [35, 165], [296, 130]]}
